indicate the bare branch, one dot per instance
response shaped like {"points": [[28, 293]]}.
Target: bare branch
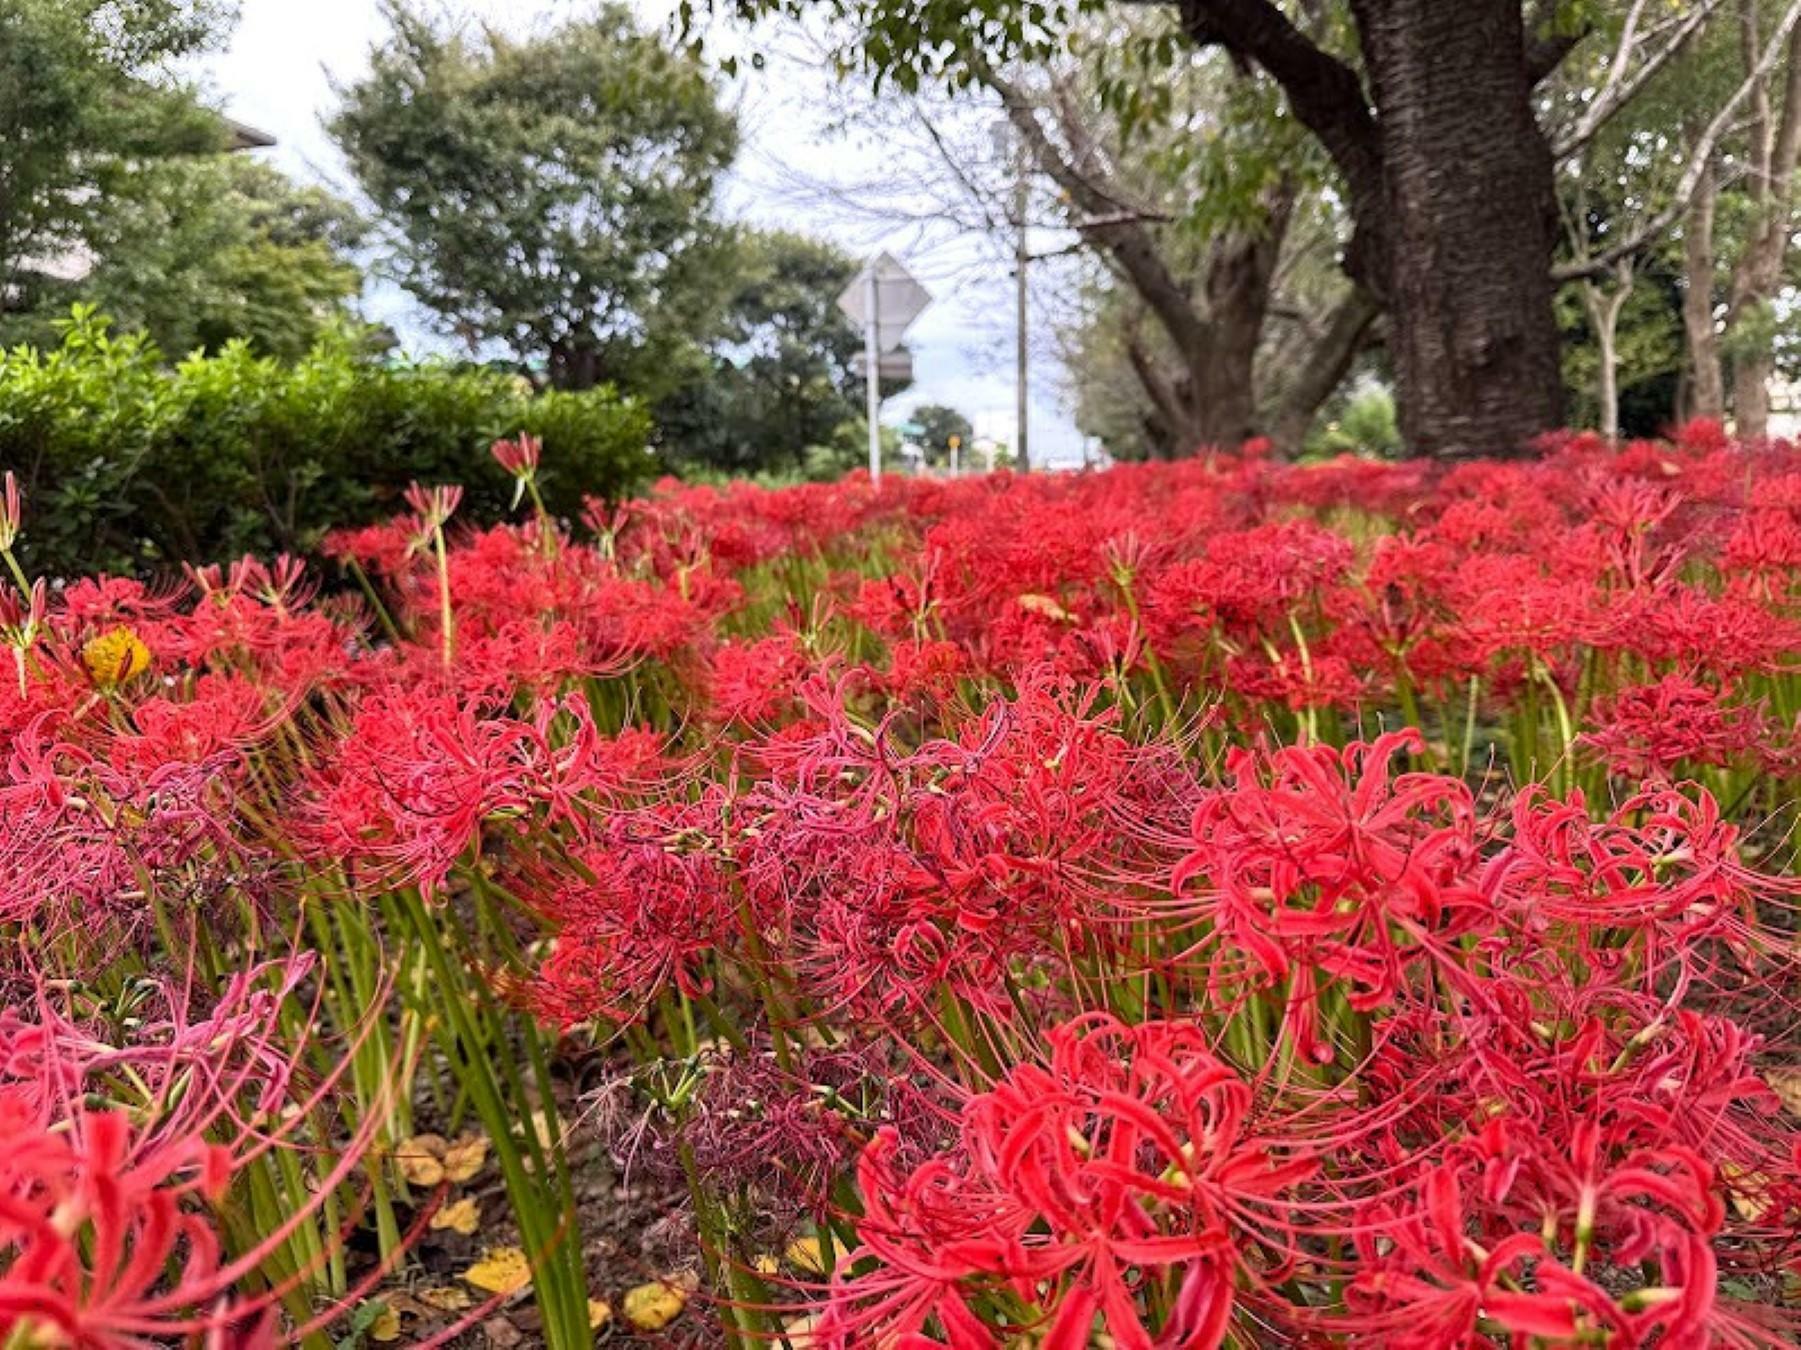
{"points": [[1625, 80], [1125, 238], [1699, 161]]}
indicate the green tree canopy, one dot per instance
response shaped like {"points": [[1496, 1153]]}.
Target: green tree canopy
{"points": [[937, 425], [200, 250], [777, 379], [86, 94], [553, 194]]}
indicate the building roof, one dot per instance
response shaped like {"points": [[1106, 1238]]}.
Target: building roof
{"points": [[244, 136]]}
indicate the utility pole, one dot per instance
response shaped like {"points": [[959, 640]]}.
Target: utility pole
{"points": [[1022, 456], [1010, 148]]}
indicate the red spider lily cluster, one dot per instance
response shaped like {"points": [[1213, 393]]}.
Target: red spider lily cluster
{"points": [[1216, 903], [116, 1180]]}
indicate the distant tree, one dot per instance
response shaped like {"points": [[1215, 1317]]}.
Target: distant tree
{"points": [[776, 380], [200, 250], [939, 424], [553, 194], [1208, 237], [86, 95]]}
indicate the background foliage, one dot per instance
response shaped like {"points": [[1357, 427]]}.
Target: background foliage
{"points": [[135, 464]]}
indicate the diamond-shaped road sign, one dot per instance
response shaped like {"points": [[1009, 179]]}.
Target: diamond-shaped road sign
{"points": [[899, 300]]}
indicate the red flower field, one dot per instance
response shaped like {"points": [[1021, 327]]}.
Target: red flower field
{"points": [[1222, 903]]}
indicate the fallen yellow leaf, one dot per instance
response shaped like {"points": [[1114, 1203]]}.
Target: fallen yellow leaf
{"points": [[115, 656], [462, 1217], [804, 1254], [385, 1327], [421, 1159], [600, 1312], [446, 1299], [766, 1265], [1786, 1084], [1750, 1191], [797, 1332], [1047, 606], [502, 1270], [651, 1307], [464, 1158], [545, 1127]]}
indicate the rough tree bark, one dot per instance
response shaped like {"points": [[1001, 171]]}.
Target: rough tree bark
{"points": [[1449, 181], [1470, 212]]}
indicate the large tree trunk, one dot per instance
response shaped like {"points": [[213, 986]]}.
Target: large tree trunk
{"points": [[1222, 369], [1469, 212], [1449, 180]]}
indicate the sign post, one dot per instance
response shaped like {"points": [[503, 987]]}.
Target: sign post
{"points": [[872, 379], [884, 300]]}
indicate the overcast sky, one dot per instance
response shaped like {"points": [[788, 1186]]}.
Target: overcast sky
{"points": [[277, 72]]}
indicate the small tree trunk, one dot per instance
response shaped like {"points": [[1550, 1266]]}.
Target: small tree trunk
{"points": [[1776, 147], [1707, 391], [1751, 376], [1468, 222], [1604, 317], [574, 365]]}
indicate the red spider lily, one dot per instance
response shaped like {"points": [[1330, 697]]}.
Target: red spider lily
{"points": [[1124, 1167], [518, 457], [107, 1232], [752, 682], [638, 911], [432, 506], [12, 513], [413, 783], [1663, 868], [1428, 1281], [1315, 860], [898, 872], [1419, 1059], [1646, 731]]}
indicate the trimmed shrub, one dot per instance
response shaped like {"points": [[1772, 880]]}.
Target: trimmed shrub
{"points": [[132, 464]]}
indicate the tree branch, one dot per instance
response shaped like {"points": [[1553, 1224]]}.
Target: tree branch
{"points": [[1346, 334], [1325, 93], [1624, 81], [1123, 235], [1699, 160], [1157, 388]]}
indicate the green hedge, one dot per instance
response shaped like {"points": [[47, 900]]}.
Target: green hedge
{"points": [[130, 464]]}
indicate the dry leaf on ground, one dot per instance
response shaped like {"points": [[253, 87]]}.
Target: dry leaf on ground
{"points": [[651, 1307], [464, 1158], [462, 1217], [502, 1270]]}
